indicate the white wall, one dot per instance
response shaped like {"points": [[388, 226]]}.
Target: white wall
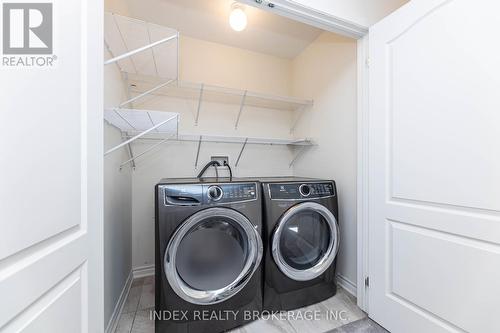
{"points": [[326, 71], [221, 65], [361, 12], [117, 203]]}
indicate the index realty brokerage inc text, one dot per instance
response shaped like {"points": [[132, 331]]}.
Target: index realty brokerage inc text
{"points": [[205, 315]]}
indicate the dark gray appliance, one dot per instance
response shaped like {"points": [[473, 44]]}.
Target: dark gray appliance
{"points": [[301, 240], [208, 253]]}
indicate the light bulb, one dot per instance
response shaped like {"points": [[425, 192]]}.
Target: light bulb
{"points": [[238, 19]]}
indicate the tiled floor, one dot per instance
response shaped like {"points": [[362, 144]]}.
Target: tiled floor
{"points": [[338, 314], [135, 314]]}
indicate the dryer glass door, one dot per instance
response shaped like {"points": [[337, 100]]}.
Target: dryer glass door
{"points": [[212, 256], [305, 241]]}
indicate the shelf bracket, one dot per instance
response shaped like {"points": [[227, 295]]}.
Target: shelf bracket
{"points": [[198, 152], [131, 154], [241, 152], [138, 50], [296, 122], [199, 104], [133, 158], [150, 91], [300, 152], [139, 135], [241, 109]]}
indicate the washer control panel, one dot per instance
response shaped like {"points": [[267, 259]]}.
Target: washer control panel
{"points": [[297, 191], [227, 193], [197, 194]]}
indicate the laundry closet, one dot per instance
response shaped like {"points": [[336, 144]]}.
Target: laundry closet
{"points": [[276, 99]]}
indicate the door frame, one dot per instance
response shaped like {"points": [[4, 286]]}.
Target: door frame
{"points": [[362, 238], [94, 162]]}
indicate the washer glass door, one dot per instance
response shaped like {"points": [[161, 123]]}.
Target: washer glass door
{"points": [[212, 256], [305, 241]]}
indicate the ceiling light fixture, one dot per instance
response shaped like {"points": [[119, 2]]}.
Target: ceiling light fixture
{"points": [[237, 18]]}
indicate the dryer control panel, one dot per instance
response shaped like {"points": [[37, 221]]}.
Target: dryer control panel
{"points": [[298, 191]]}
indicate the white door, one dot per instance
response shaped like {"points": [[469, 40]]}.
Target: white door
{"points": [[434, 190], [50, 166]]}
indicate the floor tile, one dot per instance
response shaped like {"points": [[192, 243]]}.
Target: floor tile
{"points": [[313, 318], [338, 314], [365, 325], [137, 282], [147, 300], [268, 326], [343, 306], [143, 323], [125, 323], [132, 300], [149, 280]]}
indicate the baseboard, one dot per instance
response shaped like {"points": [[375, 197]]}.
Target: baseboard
{"points": [[348, 285], [149, 270], [115, 316], [143, 271]]}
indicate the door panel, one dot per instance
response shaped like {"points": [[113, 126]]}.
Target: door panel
{"points": [[434, 181], [50, 197]]}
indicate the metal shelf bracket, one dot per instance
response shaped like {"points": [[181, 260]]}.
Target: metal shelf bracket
{"points": [[199, 104], [242, 105], [296, 122], [198, 152], [241, 152], [299, 153]]}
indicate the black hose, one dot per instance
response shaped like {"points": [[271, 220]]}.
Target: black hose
{"points": [[208, 165], [230, 171]]}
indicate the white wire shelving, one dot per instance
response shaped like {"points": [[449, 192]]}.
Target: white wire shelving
{"points": [[301, 144], [141, 47], [141, 123], [142, 85], [148, 56]]}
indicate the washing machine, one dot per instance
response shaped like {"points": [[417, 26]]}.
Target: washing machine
{"points": [[301, 241], [208, 254]]}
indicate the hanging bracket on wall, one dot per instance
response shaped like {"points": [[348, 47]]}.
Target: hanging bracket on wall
{"points": [[301, 112], [241, 152], [198, 152], [132, 158], [150, 91], [299, 153], [199, 105], [242, 105]]}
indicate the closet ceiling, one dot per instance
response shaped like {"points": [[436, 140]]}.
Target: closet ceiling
{"points": [[208, 20]]}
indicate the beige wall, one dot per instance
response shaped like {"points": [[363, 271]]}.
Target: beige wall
{"points": [[218, 64], [326, 71]]}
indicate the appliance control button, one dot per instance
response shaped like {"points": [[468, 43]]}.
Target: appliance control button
{"points": [[215, 193], [305, 190]]}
